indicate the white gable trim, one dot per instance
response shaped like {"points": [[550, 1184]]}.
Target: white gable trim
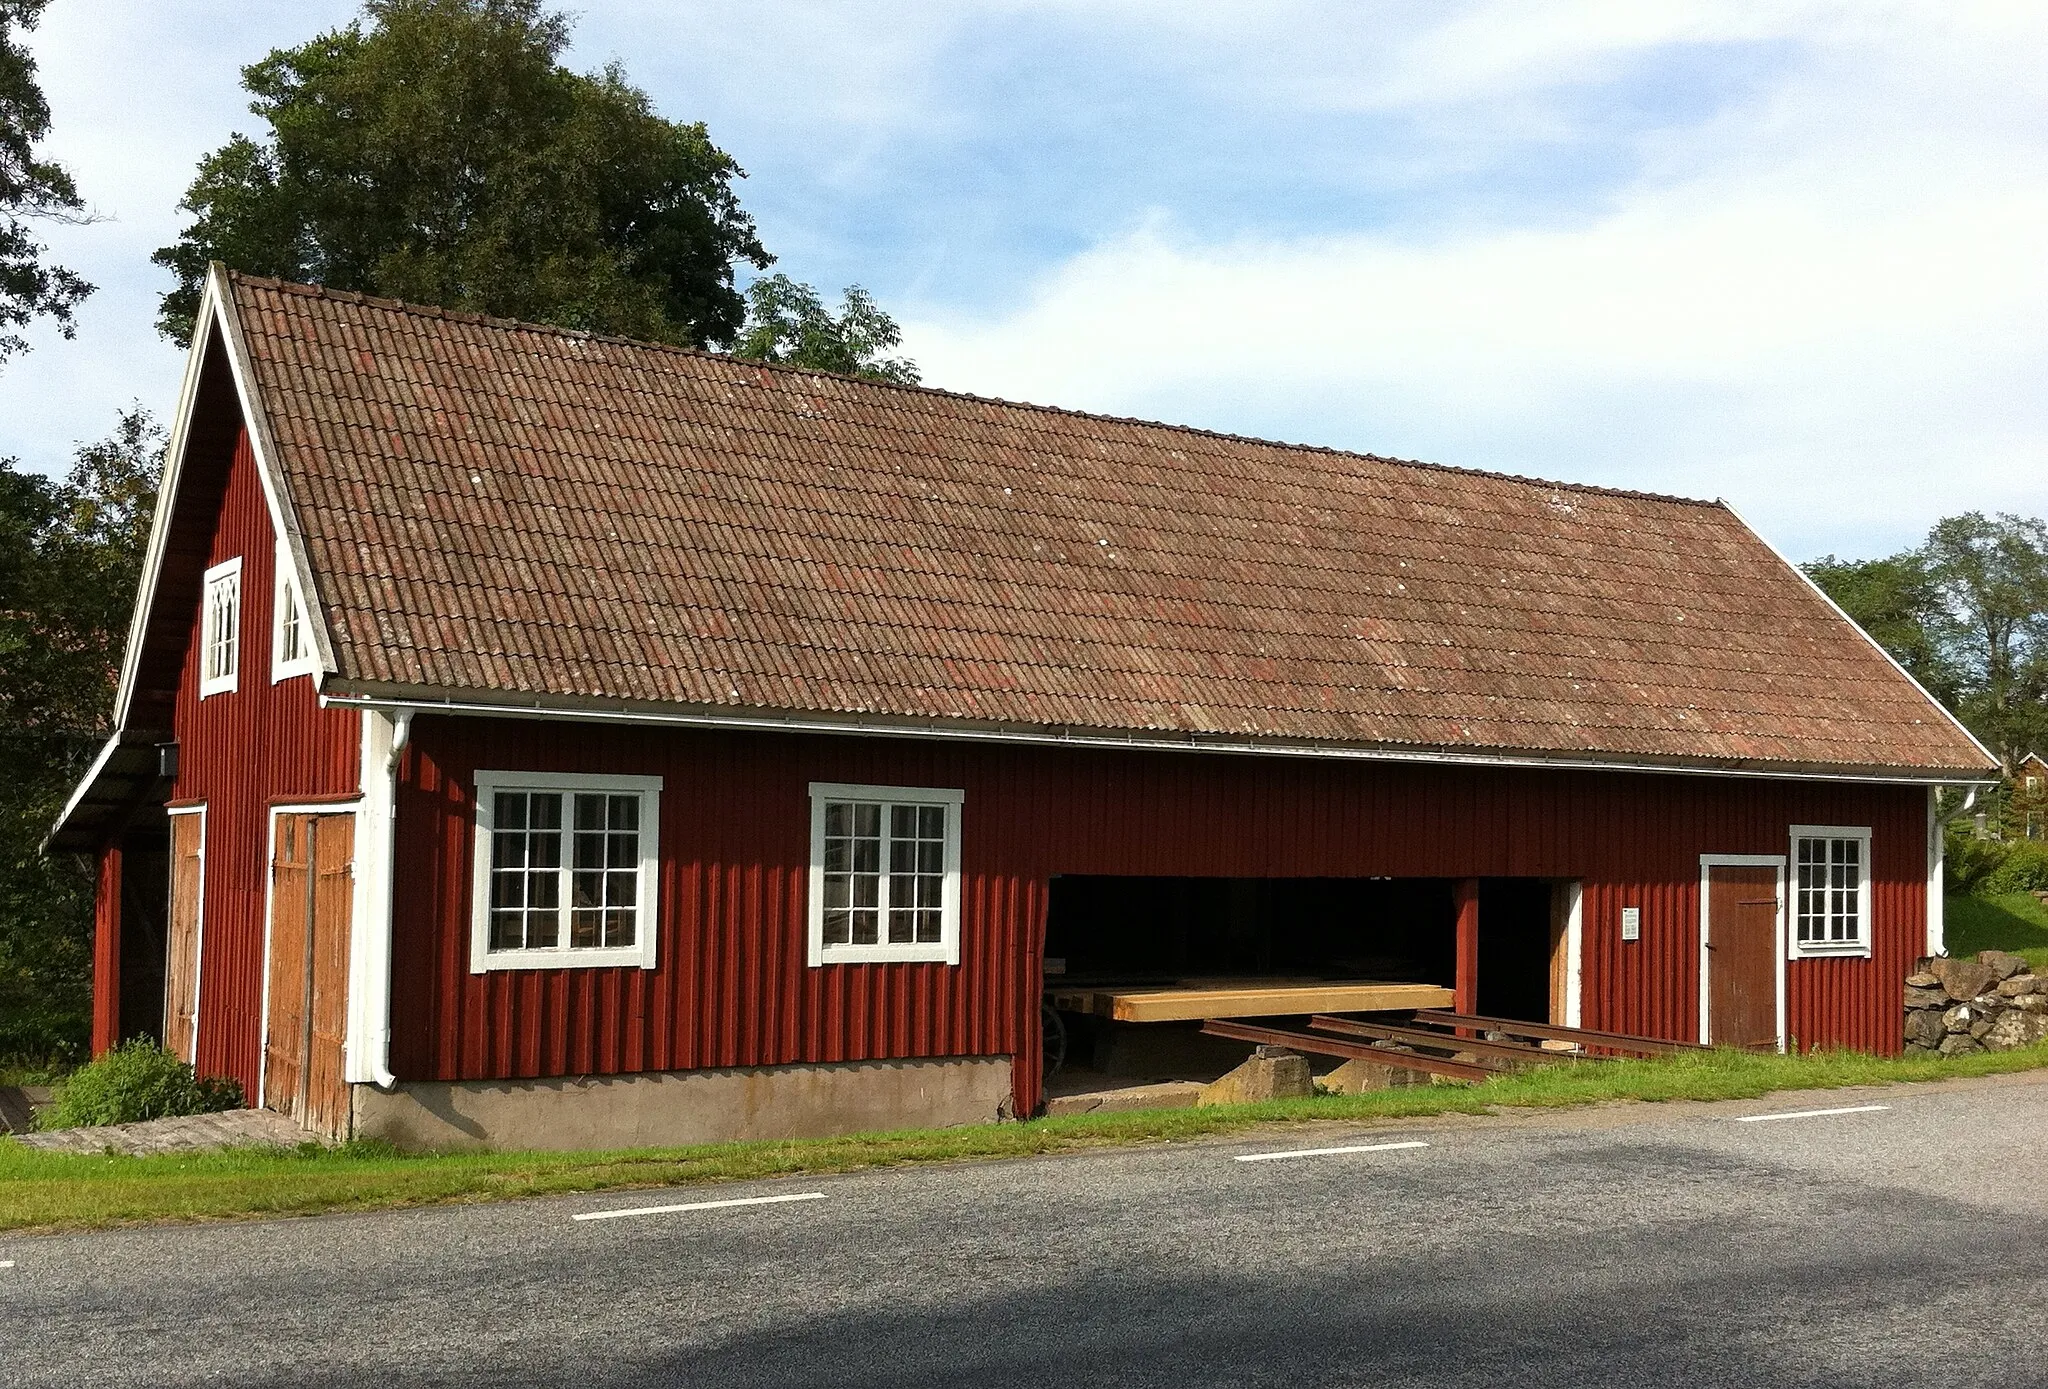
{"points": [[214, 315], [283, 519]]}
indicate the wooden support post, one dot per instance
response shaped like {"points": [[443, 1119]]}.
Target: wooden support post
{"points": [[1466, 895], [106, 953]]}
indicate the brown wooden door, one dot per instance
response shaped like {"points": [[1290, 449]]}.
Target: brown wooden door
{"points": [[311, 893], [1561, 895], [1742, 956], [181, 952]]}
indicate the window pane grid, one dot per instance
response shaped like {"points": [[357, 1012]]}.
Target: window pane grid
{"points": [[604, 885], [1830, 891], [526, 861], [223, 610], [866, 904], [290, 631], [564, 858]]}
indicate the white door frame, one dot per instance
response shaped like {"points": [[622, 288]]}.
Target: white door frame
{"points": [[348, 808], [1709, 861]]}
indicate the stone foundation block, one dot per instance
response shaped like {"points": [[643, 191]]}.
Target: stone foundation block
{"points": [[1357, 1076], [1270, 1073]]}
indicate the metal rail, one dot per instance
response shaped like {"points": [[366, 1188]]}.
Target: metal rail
{"points": [[1515, 1052], [1585, 1037]]}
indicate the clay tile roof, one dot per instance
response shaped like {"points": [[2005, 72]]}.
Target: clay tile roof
{"points": [[493, 509]]}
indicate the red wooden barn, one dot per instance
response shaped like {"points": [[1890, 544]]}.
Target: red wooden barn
{"points": [[528, 737]]}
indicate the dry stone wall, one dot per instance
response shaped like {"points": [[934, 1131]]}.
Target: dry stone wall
{"points": [[1994, 1002]]}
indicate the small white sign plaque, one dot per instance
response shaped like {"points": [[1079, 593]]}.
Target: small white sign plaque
{"points": [[1631, 923]]}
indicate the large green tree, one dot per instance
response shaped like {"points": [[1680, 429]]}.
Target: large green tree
{"points": [[1992, 575], [788, 323], [438, 151], [1967, 613], [70, 555], [29, 188]]}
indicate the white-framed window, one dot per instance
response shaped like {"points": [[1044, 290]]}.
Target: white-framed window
{"points": [[291, 632], [885, 874], [1830, 890], [220, 628], [566, 871]]}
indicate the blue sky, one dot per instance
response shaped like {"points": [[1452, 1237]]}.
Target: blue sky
{"points": [[1787, 253]]}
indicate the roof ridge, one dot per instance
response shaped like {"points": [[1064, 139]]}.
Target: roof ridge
{"points": [[357, 297]]}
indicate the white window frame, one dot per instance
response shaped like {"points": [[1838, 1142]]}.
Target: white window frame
{"points": [[640, 954], [284, 591], [223, 684], [945, 950], [1860, 948]]}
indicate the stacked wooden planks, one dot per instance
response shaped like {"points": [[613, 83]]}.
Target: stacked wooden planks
{"points": [[1253, 998]]}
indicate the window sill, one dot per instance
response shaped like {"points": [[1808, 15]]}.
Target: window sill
{"points": [[1846, 950], [939, 953], [209, 688], [638, 957]]}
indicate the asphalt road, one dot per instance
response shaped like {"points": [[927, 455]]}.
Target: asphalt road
{"points": [[1669, 1245]]}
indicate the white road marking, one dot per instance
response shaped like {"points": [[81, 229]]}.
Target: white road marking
{"points": [[1325, 1152], [6, 1263], [702, 1206], [1810, 1113]]}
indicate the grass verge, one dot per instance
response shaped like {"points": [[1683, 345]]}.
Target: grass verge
{"points": [[2012, 921], [47, 1191]]}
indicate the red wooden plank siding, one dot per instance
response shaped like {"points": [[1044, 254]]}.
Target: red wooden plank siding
{"points": [[106, 952], [733, 989], [239, 752]]}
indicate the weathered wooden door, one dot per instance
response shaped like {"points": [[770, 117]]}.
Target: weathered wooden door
{"points": [[181, 952], [311, 891], [1742, 955]]}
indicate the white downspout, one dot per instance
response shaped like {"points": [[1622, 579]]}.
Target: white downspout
{"points": [[383, 745], [1937, 855]]}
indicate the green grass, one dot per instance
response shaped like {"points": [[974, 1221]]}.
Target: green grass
{"points": [[16, 1070], [47, 1191], [2014, 921]]}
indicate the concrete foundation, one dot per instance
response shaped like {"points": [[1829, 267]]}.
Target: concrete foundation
{"points": [[672, 1108]]}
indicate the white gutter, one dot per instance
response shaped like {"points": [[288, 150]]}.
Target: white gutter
{"points": [[1937, 859], [369, 1049], [1067, 737]]}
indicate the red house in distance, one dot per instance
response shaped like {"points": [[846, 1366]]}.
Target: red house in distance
{"points": [[530, 738]]}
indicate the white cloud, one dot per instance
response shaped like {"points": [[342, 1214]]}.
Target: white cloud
{"points": [[1827, 303]]}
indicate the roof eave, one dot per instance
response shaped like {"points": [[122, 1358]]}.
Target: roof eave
{"points": [[505, 704]]}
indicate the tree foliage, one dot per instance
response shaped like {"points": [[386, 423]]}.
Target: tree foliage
{"points": [[437, 151], [70, 556], [1992, 577], [29, 188], [1894, 599], [1967, 613], [788, 324]]}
